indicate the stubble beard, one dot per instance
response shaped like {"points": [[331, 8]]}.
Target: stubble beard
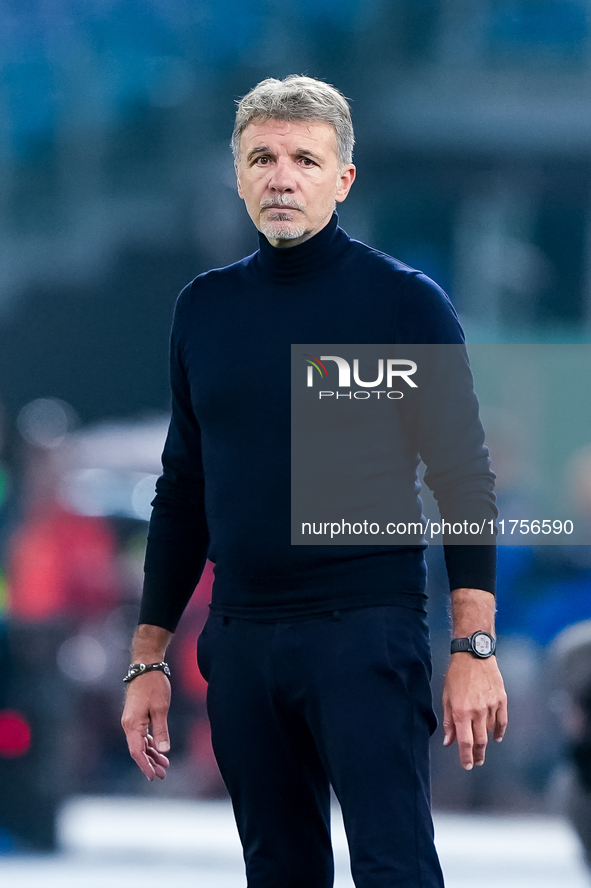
{"points": [[279, 225]]}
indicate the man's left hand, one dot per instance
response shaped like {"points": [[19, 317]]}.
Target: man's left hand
{"points": [[474, 704]]}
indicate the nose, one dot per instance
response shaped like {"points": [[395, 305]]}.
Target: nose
{"points": [[282, 179]]}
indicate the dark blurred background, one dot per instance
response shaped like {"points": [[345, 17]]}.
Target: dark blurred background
{"points": [[473, 126]]}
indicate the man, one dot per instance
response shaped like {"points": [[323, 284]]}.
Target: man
{"points": [[317, 657], [570, 668]]}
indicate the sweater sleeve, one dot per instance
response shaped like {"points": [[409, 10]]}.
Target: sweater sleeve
{"points": [[449, 434], [178, 538]]}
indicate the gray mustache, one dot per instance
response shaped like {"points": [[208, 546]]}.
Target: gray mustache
{"points": [[281, 202]]}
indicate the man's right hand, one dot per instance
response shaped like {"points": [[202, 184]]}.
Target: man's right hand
{"points": [[147, 703]]}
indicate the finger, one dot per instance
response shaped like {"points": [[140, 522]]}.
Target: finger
{"points": [[491, 719], [480, 736], [465, 742], [501, 721], [449, 729], [138, 754], [157, 758], [159, 764], [159, 771], [154, 752], [135, 734], [160, 730], [160, 767]]}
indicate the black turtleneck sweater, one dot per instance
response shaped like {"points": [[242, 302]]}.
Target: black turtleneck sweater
{"points": [[225, 488]]}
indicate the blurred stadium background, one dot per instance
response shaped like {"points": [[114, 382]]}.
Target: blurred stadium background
{"points": [[473, 125]]}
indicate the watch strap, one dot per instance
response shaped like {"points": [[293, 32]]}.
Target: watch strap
{"points": [[459, 645]]}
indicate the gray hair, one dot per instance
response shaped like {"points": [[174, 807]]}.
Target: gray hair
{"points": [[297, 98]]}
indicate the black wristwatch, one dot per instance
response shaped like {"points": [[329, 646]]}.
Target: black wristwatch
{"points": [[139, 668], [480, 644]]}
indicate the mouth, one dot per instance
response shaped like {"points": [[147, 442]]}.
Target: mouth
{"points": [[281, 202]]}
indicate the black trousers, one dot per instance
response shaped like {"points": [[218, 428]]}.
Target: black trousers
{"points": [[341, 699]]}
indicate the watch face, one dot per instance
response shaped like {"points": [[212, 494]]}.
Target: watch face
{"points": [[482, 644]]}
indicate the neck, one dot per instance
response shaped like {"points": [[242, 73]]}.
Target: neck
{"points": [[306, 259]]}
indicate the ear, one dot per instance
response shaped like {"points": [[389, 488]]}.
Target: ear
{"points": [[345, 179], [238, 184]]}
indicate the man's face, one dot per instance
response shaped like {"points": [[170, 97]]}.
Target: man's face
{"points": [[289, 178]]}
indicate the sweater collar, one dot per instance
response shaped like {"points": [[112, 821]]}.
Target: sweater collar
{"points": [[304, 261]]}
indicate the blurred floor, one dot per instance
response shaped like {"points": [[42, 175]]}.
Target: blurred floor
{"points": [[118, 842]]}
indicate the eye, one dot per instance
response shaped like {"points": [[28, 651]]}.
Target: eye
{"points": [[308, 162], [262, 160]]}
